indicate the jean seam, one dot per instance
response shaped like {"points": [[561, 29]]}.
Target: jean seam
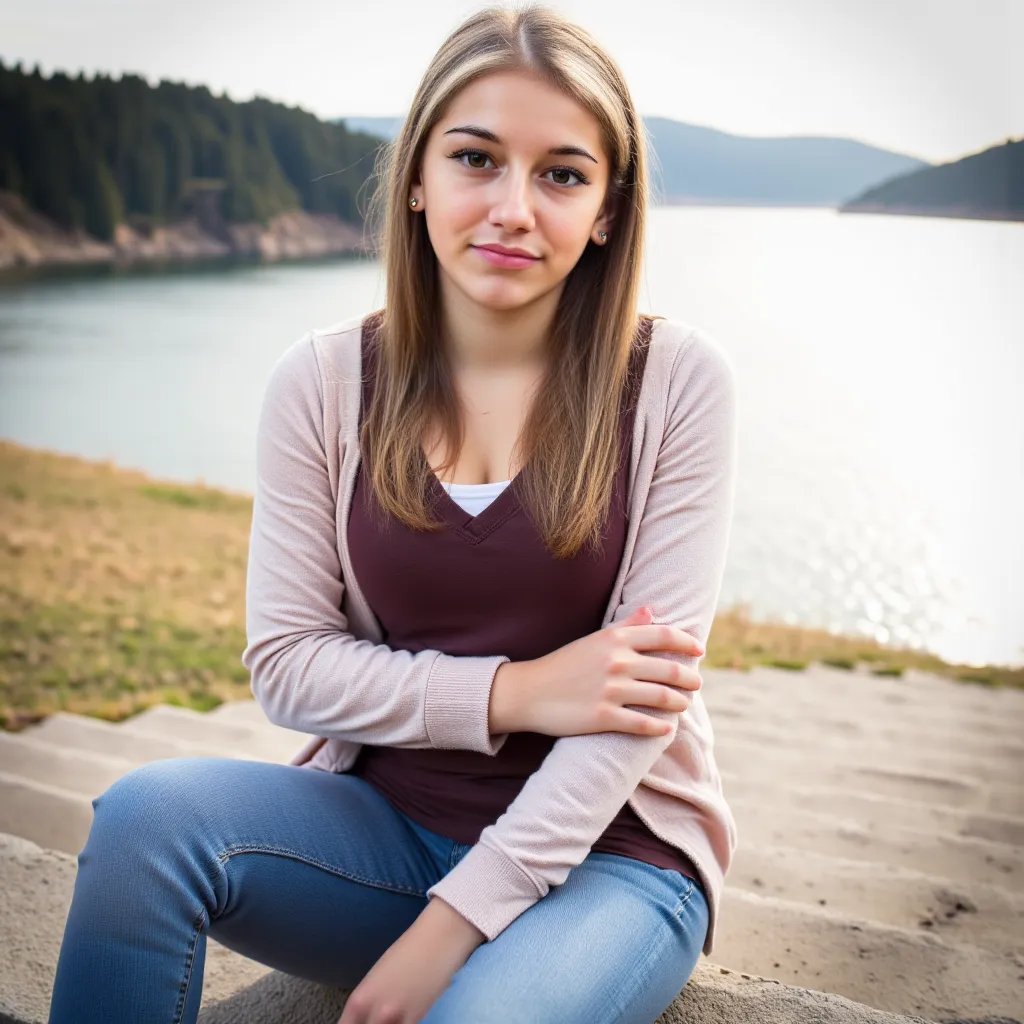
{"points": [[685, 898], [190, 960], [231, 851], [665, 935]]}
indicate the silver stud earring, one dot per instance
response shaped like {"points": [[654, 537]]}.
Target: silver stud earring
{"points": [[602, 235], [413, 202]]}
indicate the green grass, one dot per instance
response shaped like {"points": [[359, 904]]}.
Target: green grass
{"points": [[189, 497], [69, 657]]}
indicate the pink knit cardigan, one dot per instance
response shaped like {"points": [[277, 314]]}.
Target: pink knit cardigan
{"points": [[318, 665]]}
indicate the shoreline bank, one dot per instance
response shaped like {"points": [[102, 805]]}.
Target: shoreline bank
{"points": [[28, 240]]}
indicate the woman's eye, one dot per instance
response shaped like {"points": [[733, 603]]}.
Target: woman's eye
{"points": [[580, 178]]}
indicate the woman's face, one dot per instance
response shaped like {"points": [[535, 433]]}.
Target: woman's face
{"points": [[509, 189]]}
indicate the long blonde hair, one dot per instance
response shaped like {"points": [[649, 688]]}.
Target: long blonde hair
{"points": [[571, 432]]}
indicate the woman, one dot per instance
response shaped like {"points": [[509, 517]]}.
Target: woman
{"points": [[479, 511]]}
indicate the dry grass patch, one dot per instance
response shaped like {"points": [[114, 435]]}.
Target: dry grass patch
{"points": [[116, 591]]}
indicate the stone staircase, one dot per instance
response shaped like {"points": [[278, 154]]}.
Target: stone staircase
{"points": [[879, 877]]}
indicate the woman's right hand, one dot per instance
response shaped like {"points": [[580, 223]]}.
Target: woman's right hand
{"points": [[583, 687]]}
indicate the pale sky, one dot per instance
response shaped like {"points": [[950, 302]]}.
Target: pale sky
{"points": [[935, 79]]}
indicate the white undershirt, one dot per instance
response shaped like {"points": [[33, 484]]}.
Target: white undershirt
{"points": [[474, 498]]}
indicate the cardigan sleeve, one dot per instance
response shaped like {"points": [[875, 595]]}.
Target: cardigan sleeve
{"points": [[676, 568], [308, 671]]}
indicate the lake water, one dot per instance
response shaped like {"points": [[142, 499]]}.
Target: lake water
{"points": [[880, 363]]}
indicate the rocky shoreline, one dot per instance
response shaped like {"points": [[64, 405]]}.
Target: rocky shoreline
{"points": [[30, 240]]}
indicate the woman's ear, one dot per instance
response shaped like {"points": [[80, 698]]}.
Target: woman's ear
{"points": [[602, 229], [606, 216]]}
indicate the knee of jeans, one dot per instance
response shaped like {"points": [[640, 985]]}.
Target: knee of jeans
{"points": [[153, 797]]}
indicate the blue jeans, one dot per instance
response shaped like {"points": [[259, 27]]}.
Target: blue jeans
{"points": [[316, 874]]}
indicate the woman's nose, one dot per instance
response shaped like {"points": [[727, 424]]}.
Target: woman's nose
{"points": [[514, 204]]}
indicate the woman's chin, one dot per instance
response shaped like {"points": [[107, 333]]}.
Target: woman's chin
{"points": [[501, 296]]}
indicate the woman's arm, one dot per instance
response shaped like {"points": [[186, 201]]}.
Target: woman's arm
{"points": [[309, 673], [676, 569]]}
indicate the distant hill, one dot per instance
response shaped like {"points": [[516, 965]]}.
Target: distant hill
{"points": [[988, 185], [696, 165], [704, 165]]}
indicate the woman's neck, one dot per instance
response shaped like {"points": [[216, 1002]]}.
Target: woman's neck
{"points": [[479, 340]]}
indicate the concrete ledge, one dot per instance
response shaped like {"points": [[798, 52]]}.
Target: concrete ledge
{"points": [[37, 885]]}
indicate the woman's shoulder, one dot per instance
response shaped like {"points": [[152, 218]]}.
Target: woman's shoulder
{"points": [[339, 346], [330, 354], [681, 351]]}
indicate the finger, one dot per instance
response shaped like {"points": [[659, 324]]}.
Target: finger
{"points": [[663, 673], [653, 639], [639, 724]]}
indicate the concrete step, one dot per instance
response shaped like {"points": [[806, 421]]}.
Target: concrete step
{"points": [[265, 739], [78, 771], [240, 711], [82, 732], [743, 724], [890, 968], [957, 858], [52, 817], [822, 695], [887, 840], [38, 885], [50, 772], [939, 788], [988, 767], [871, 809], [868, 707], [967, 912], [1005, 800]]}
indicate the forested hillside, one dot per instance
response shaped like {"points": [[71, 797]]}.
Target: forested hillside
{"points": [[91, 153], [989, 184]]}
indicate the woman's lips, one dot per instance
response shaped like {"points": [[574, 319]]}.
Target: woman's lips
{"points": [[500, 259]]}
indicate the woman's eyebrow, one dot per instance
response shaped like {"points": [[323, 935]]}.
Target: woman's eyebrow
{"points": [[483, 133]]}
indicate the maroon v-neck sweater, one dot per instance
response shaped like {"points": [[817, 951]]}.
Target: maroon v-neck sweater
{"points": [[487, 585]]}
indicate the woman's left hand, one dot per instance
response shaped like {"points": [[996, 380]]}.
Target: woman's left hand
{"points": [[415, 969]]}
